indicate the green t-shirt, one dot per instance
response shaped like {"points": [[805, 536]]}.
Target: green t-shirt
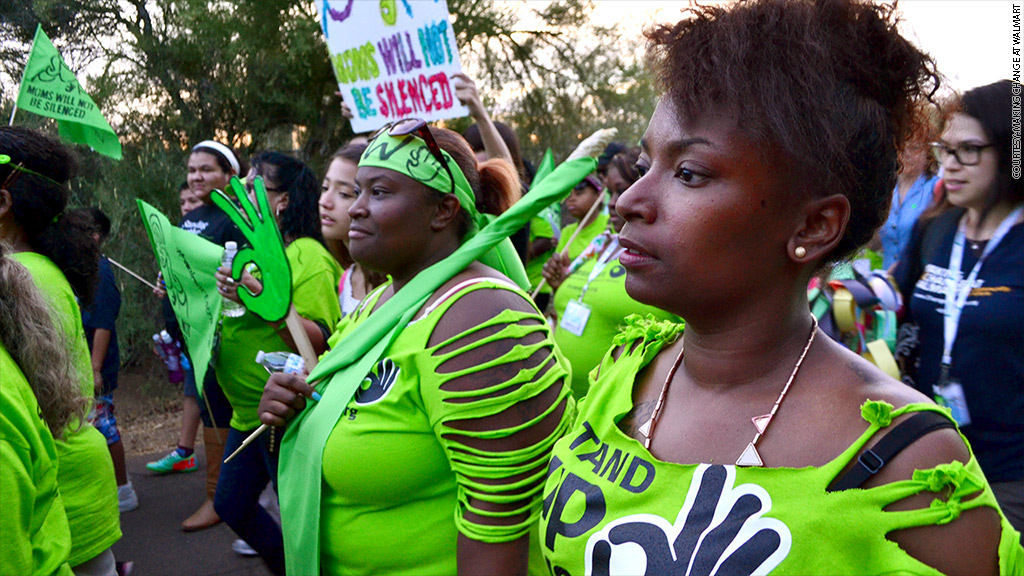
{"points": [[608, 305], [85, 474], [315, 276], [398, 470], [581, 242], [613, 507], [33, 525]]}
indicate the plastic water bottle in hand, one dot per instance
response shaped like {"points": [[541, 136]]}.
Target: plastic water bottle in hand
{"points": [[230, 308], [172, 357], [287, 362]]}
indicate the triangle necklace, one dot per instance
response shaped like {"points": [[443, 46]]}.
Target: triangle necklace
{"points": [[750, 456]]}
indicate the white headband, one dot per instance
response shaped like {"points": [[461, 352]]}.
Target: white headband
{"points": [[224, 151]]}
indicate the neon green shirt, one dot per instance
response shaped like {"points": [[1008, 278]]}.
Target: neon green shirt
{"points": [[599, 225], [33, 527], [85, 474], [398, 472], [613, 507], [609, 305], [315, 275]]}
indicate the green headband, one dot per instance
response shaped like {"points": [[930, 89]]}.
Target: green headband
{"points": [[410, 156], [5, 159]]}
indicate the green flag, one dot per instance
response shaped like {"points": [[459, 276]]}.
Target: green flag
{"points": [[49, 88], [547, 164], [188, 263]]}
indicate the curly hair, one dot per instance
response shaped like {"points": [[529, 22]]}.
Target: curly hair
{"points": [[827, 86], [38, 347], [301, 218], [40, 195]]}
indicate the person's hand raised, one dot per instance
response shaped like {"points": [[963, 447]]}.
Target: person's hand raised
{"points": [[468, 95], [556, 269]]}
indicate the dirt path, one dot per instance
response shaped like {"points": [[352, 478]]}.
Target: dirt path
{"points": [[148, 408]]}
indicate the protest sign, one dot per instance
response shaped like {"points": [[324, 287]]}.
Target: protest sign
{"points": [[188, 263], [49, 88], [393, 59]]}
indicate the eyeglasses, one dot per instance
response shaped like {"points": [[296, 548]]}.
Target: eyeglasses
{"points": [[966, 154], [418, 127]]}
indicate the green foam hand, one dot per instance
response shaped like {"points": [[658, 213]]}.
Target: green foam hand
{"points": [[265, 250]]}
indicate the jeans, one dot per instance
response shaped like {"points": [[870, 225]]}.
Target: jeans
{"points": [[237, 500]]}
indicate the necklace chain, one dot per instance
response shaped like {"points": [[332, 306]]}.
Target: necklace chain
{"points": [[749, 457]]}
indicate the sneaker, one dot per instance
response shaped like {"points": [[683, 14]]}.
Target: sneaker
{"points": [[174, 462], [242, 548], [127, 499]]}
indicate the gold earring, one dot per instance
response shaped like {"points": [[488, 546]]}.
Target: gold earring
{"points": [[800, 252]]}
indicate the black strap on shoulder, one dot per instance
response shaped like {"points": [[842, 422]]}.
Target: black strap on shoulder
{"points": [[873, 459]]}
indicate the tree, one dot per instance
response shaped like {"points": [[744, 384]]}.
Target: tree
{"points": [[567, 76]]}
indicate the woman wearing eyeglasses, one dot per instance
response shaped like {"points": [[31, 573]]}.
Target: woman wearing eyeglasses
{"points": [[435, 464], [963, 285], [292, 193]]}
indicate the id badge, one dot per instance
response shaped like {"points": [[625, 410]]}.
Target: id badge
{"points": [[574, 319], [951, 395]]}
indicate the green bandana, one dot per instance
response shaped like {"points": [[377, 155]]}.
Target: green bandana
{"points": [[409, 155]]}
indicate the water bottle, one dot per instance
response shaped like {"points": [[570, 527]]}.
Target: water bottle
{"points": [[158, 346], [287, 362], [172, 357], [230, 308]]}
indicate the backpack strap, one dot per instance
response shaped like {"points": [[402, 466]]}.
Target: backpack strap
{"points": [[873, 459]]}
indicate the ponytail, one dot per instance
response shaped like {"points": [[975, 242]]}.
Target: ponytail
{"points": [[495, 182], [499, 186]]}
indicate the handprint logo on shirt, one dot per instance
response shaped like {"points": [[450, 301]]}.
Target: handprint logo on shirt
{"points": [[265, 250], [378, 383], [721, 529]]}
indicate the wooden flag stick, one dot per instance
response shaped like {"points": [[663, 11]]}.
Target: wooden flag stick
{"points": [[294, 323], [597, 203], [136, 276]]}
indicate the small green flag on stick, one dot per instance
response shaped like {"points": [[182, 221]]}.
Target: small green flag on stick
{"points": [[49, 88], [188, 262]]}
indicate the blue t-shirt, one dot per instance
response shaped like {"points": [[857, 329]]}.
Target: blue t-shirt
{"points": [[895, 233], [102, 313], [988, 353]]}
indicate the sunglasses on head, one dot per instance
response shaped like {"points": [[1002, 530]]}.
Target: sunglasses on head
{"points": [[417, 127]]}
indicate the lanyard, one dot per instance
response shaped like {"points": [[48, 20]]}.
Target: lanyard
{"points": [[956, 291], [611, 251]]}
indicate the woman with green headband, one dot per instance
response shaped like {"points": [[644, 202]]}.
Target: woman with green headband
{"points": [[435, 464]]}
